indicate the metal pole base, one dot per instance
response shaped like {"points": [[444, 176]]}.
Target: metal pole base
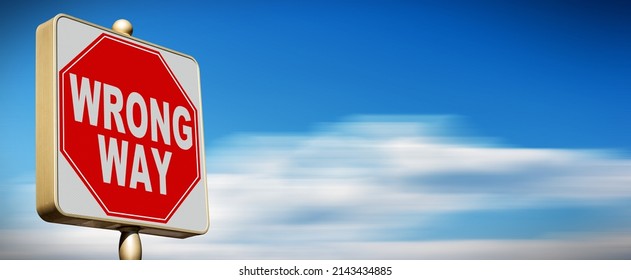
{"points": [[129, 246]]}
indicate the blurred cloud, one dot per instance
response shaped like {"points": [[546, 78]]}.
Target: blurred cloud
{"points": [[384, 187]]}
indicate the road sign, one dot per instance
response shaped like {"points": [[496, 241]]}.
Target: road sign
{"points": [[119, 132]]}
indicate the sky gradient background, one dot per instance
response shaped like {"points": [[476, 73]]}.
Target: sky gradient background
{"points": [[369, 129]]}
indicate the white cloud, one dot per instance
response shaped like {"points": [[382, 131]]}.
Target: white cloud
{"points": [[358, 180], [343, 190]]}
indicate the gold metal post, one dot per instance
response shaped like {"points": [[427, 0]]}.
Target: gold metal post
{"points": [[129, 246], [123, 26]]}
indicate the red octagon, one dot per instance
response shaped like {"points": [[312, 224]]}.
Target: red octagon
{"points": [[128, 129]]}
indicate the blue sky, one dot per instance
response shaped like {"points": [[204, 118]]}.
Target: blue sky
{"points": [[540, 86]]}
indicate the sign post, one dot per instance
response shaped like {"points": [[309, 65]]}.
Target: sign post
{"points": [[119, 134]]}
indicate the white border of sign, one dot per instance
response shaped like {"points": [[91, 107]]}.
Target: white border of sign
{"points": [[61, 195]]}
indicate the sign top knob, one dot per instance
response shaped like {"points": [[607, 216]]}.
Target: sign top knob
{"points": [[123, 26]]}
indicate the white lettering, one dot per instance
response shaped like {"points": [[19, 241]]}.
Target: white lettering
{"points": [[112, 109], [84, 97], [186, 142], [163, 166], [110, 156], [160, 120], [139, 131], [139, 171], [138, 117]]}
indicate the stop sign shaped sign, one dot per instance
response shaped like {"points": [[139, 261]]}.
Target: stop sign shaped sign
{"points": [[130, 115], [129, 143]]}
